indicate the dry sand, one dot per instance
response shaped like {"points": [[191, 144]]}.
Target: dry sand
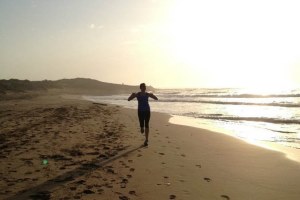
{"points": [[57, 148]]}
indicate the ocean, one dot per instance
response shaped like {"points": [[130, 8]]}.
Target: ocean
{"points": [[257, 117]]}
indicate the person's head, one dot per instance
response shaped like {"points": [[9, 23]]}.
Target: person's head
{"points": [[143, 87]]}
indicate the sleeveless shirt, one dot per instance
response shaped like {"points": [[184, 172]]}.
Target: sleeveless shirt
{"points": [[143, 104]]}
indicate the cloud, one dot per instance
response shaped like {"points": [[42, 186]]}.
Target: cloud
{"points": [[92, 26]]}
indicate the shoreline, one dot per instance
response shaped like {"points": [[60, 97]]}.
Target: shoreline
{"points": [[290, 152], [77, 137]]}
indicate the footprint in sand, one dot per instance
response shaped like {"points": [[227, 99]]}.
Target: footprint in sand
{"points": [[207, 179], [132, 169], [124, 180], [111, 171], [130, 161], [41, 195], [81, 182], [162, 154], [88, 191], [198, 166], [123, 185], [100, 190], [139, 155], [123, 198], [132, 192], [107, 185], [113, 180], [225, 197], [129, 176], [73, 188], [172, 196]]}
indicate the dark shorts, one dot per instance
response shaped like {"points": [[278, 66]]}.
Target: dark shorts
{"points": [[144, 118]]}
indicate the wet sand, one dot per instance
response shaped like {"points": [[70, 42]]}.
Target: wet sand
{"points": [[58, 148]]}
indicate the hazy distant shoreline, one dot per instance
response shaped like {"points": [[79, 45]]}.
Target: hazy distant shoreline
{"points": [[19, 89]]}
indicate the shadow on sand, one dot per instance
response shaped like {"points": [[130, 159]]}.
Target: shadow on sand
{"points": [[41, 191]]}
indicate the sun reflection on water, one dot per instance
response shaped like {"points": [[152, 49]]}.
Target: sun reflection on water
{"points": [[266, 90], [250, 133]]}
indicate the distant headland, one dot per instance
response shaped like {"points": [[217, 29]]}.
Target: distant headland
{"points": [[76, 86]]}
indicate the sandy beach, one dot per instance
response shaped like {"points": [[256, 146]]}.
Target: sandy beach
{"points": [[80, 79], [53, 147]]}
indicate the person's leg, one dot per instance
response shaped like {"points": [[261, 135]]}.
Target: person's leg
{"points": [[147, 119], [141, 120]]}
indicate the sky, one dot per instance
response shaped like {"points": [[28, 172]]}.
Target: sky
{"points": [[164, 43]]}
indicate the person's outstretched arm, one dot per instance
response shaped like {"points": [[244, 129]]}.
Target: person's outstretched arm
{"points": [[153, 96], [132, 96]]}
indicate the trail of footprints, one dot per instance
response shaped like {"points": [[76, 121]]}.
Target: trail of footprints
{"points": [[81, 187], [87, 185], [45, 127], [124, 180], [207, 179]]}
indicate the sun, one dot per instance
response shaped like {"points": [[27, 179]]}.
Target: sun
{"points": [[227, 46]]}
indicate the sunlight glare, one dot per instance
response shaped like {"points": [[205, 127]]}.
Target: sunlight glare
{"points": [[228, 43]]}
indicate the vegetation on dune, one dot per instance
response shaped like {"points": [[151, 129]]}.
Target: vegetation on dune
{"points": [[78, 84]]}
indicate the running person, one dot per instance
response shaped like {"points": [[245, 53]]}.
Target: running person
{"points": [[143, 109]]}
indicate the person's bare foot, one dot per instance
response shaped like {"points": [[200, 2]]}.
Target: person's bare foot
{"points": [[146, 143]]}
